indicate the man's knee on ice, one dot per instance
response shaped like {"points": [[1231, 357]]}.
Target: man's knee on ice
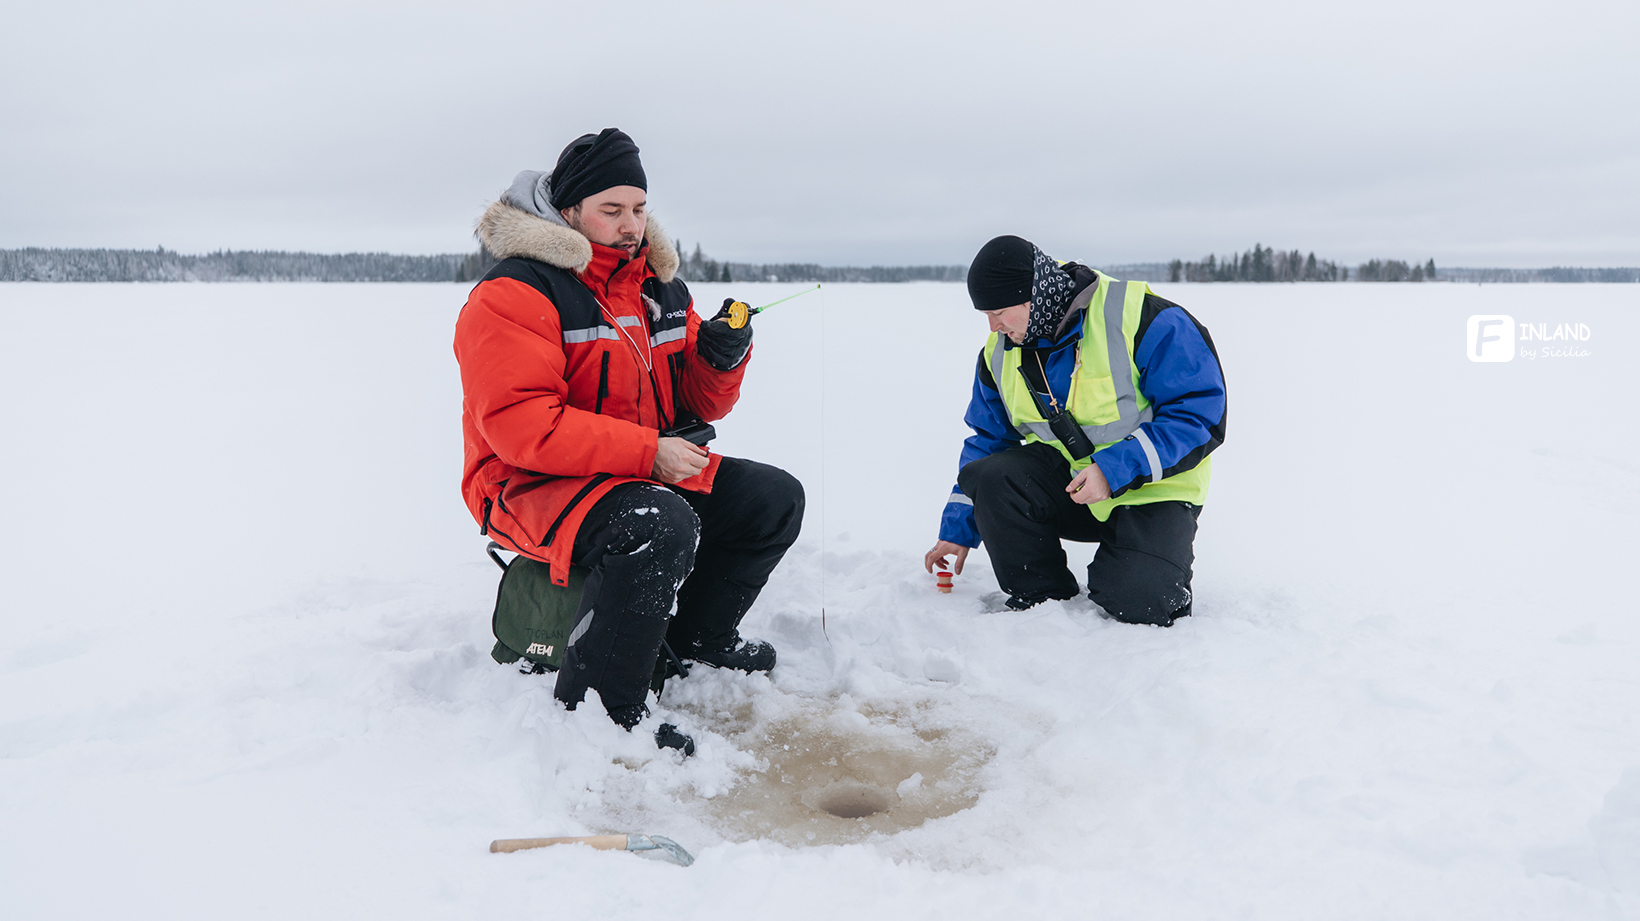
{"points": [[1139, 588], [977, 477]]}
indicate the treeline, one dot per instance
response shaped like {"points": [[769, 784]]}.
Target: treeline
{"points": [[698, 267], [161, 264], [1263, 264], [1394, 270], [1562, 275], [1258, 264]]}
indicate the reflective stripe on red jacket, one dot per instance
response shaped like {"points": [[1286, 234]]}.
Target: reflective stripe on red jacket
{"points": [[568, 371]]}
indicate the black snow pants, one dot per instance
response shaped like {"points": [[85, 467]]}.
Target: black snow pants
{"points": [[677, 565], [1141, 572]]}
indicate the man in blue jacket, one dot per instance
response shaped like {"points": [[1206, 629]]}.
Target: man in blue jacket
{"points": [[1095, 406]]}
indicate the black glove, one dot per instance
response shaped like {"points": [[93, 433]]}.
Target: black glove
{"points": [[723, 347]]}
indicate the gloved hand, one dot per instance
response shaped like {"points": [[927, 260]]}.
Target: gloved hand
{"points": [[723, 347]]}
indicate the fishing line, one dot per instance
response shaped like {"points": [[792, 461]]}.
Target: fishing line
{"points": [[739, 313]]}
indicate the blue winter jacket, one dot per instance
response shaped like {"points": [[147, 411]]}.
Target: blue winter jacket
{"points": [[1178, 372]]}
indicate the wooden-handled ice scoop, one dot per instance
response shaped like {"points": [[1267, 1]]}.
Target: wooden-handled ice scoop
{"points": [[600, 842]]}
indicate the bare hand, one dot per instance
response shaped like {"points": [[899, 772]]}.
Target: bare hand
{"points": [[942, 549], [677, 460], [1089, 486]]}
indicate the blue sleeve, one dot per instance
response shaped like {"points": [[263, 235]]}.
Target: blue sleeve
{"points": [[1179, 373], [992, 433]]}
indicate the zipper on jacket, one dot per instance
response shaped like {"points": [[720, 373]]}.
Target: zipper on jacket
{"points": [[675, 360], [592, 484], [603, 383], [489, 529]]}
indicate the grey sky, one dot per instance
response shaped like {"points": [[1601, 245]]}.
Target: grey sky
{"points": [[1497, 133]]}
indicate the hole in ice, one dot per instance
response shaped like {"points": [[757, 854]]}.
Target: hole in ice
{"points": [[848, 799], [838, 776]]}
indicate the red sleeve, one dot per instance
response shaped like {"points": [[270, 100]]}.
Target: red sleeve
{"points": [[510, 348], [706, 390]]}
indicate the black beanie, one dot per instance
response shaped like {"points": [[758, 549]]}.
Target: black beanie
{"points": [[595, 162], [1001, 274]]}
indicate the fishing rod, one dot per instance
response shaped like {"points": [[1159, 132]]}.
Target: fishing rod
{"points": [[741, 313]]}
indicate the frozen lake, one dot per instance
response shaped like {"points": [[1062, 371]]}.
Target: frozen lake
{"points": [[244, 670]]}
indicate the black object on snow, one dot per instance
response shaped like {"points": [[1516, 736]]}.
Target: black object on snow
{"points": [[668, 736]]}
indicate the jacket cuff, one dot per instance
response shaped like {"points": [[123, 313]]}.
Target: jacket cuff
{"points": [[1123, 465], [646, 455], [957, 522]]}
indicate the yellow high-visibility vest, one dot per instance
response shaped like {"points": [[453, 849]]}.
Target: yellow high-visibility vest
{"points": [[1104, 397]]}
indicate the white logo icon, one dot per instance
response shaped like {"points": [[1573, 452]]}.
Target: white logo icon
{"points": [[1491, 338]]}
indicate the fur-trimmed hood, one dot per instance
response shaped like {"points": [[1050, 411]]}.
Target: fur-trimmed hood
{"points": [[508, 231]]}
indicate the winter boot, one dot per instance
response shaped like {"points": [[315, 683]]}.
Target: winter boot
{"points": [[745, 655], [1026, 602]]}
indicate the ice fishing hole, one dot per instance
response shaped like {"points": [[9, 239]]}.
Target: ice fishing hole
{"points": [[839, 776], [847, 800]]}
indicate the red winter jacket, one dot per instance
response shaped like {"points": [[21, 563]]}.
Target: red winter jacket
{"points": [[572, 358]]}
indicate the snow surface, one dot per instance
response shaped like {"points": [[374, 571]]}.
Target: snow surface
{"points": [[244, 661]]}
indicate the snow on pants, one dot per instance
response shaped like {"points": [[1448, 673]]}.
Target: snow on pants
{"points": [[1141, 572], [640, 542]]}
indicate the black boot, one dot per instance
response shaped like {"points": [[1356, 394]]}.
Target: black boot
{"points": [[745, 655], [1026, 602]]}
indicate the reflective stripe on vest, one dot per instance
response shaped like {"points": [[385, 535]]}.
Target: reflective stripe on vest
{"points": [[1129, 416]]}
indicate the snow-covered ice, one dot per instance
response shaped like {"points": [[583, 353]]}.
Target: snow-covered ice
{"points": [[244, 660]]}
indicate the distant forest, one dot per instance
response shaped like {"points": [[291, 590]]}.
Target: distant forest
{"points": [[1259, 264], [1561, 274], [166, 265], [1262, 264]]}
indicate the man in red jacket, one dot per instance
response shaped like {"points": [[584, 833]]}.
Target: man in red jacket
{"points": [[577, 350]]}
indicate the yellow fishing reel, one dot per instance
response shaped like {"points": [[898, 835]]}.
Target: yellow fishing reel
{"points": [[739, 313]]}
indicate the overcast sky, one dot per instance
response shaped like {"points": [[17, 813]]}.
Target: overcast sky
{"points": [[1490, 133]]}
